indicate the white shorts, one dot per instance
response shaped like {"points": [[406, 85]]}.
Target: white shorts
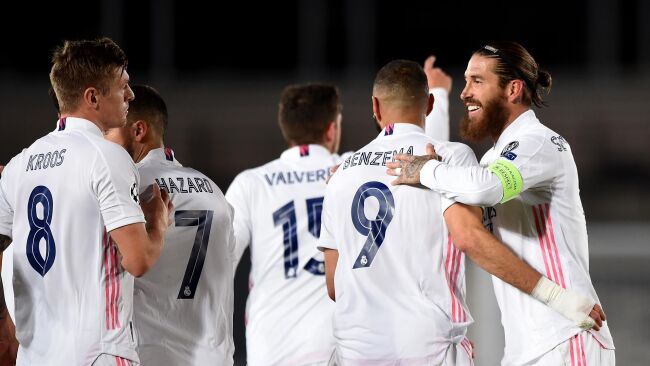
{"points": [[457, 354], [111, 360], [581, 349]]}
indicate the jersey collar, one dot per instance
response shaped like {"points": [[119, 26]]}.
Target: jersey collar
{"points": [[162, 155], [525, 119], [80, 124], [399, 128], [304, 151]]}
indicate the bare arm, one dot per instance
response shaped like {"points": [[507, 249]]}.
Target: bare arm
{"points": [[496, 258], [331, 257], [140, 244], [485, 250]]}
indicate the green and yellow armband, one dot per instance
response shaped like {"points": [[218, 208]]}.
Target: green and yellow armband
{"points": [[510, 178]]}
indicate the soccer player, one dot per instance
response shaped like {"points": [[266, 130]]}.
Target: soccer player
{"points": [[528, 182], [277, 212], [59, 200], [183, 306]]}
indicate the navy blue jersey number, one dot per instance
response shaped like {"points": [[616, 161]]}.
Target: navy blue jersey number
{"points": [[374, 229], [286, 217], [39, 230], [202, 219]]}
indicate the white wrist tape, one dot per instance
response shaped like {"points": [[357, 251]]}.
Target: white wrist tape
{"points": [[572, 305]]}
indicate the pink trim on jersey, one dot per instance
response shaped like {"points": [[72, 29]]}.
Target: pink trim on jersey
{"points": [[111, 282], [116, 280], [547, 243], [577, 351], [552, 234], [452, 268], [122, 361], [467, 346]]}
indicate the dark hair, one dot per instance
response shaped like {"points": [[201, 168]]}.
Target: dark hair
{"points": [[78, 65], [305, 112], [149, 106], [403, 81], [515, 63]]}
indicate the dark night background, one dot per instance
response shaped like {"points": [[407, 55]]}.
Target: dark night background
{"points": [[221, 67]]}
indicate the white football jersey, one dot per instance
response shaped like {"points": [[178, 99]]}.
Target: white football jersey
{"points": [[550, 234], [277, 211], [400, 282], [58, 199], [183, 306]]}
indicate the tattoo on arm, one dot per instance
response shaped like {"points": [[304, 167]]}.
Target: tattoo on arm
{"points": [[411, 171]]}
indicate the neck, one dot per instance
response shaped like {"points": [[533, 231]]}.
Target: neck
{"points": [[143, 149], [512, 116], [87, 116]]}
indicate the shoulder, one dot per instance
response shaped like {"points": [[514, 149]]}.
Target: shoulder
{"points": [[455, 153]]}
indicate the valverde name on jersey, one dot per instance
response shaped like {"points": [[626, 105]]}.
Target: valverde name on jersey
{"points": [[184, 184], [293, 177], [50, 159], [377, 158]]}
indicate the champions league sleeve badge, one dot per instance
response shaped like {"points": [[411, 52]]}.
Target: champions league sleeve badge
{"points": [[134, 192], [507, 151]]}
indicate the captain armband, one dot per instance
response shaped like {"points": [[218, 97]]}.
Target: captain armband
{"points": [[510, 178]]}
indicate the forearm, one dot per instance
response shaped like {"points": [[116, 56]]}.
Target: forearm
{"points": [[498, 260], [471, 185], [4, 243]]}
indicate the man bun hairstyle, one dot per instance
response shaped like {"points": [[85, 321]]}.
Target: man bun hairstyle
{"points": [[514, 62]]}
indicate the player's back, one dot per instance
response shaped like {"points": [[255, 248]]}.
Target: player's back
{"points": [[183, 306], [399, 281], [277, 209], [72, 296]]}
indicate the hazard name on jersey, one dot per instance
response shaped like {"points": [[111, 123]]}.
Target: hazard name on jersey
{"points": [[184, 184], [293, 177], [375, 157], [50, 159]]}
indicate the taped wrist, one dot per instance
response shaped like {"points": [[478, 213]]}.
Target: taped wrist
{"points": [[568, 303]]}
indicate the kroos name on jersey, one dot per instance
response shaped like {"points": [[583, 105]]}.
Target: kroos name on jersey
{"points": [[50, 159]]}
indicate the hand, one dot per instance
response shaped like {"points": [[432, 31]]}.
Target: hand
{"points": [[435, 76], [156, 206], [407, 167], [332, 171], [598, 315], [8, 342]]}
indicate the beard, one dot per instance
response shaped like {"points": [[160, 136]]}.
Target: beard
{"points": [[491, 124]]}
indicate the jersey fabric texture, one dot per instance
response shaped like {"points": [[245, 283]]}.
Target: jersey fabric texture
{"points": [[277, 211], [545, 225], [58, 200], [400, 282], [183, 306]]}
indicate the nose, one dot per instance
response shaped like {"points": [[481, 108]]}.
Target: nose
{"points": [[465, 93], [129, 94]]}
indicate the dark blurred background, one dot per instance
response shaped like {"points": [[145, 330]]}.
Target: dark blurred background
{"points": [[222, 65]]}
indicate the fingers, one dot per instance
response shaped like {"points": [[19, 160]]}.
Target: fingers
{"points": [[430, 149], [601, 311], [428, 63], [155, 190]]}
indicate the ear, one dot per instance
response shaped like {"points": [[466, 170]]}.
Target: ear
{"points": [[330, 132], [139, 130], [376, 113], [90, 97], [515, 91], [430, 104]]}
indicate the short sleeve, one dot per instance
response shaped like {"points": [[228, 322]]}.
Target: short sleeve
{"points": [[115, 181], [326, 239], [237, 196]]}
